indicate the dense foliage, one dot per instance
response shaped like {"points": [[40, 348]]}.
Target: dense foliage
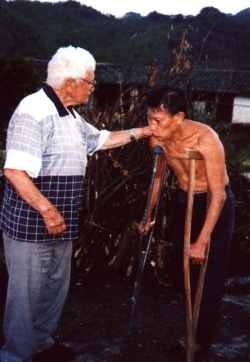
{"points": [[18, 78], [36, 29]]}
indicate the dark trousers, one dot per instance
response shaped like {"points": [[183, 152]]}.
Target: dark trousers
{"points": [[217, 260]]}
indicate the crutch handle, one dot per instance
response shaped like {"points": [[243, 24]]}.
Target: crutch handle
{"points": [[157, 150], [192, 153]]}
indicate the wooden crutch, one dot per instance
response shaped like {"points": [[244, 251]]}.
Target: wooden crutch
{"points": [[191, 314]]}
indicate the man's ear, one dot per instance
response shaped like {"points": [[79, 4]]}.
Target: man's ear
{"points": [[69, 83], [180, 117]]}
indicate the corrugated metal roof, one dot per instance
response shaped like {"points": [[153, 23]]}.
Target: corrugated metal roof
{"points": [[208, 80], [223, 81]]}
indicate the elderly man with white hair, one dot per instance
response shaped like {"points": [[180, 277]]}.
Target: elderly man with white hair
{"points": [[47, 147]]}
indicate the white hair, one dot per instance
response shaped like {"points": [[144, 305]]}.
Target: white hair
{"points": [[69, 62]]}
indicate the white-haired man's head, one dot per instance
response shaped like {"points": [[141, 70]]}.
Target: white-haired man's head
{"points": [[69, 62]]}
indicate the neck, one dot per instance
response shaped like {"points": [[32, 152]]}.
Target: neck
{"points": [[180, 131]]}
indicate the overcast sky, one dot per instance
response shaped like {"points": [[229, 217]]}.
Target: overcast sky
{"points": [[168, 7]]}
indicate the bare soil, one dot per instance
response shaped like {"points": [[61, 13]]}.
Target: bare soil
{"points": [[97, 320]]}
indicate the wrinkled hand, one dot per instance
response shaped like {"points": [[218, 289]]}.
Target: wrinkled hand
{"points": [[198, 252], [147, 131], [54, 221]]}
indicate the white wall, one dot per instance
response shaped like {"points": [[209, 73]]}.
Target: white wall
{"points": [[241, 110]]}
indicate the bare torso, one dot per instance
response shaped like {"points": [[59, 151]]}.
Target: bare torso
{"points": [[202, 138], [174, 133]]}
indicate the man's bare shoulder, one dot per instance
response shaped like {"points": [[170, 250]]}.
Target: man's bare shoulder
{"points": [[199, 127], [204, 132], [210, 144]]}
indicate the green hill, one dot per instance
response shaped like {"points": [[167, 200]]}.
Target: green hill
{"points": [[35, 29]]}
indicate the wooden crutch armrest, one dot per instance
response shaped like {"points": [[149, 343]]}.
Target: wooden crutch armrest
{"points": [[192, 153]]}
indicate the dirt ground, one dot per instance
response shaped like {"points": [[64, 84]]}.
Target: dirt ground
{"points": [[98, 323]]}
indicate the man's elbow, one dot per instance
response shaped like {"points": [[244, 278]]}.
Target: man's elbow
{"points": [[222, 197], [218, 196], [12, 174], [8, 173]]}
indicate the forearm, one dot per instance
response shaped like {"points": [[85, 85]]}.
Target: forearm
{"points": [[153, 200], [214, 209], [160, 165], [26, 189], [198, 250], [121, 138]]}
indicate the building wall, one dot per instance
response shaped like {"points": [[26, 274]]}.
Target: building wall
{"points": [[241, 110]]}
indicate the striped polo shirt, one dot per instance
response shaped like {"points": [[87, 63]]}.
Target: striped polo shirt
{"points": [[51, 144]]}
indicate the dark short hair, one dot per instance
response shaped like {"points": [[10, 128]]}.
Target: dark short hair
{"points": [[171, 98]]}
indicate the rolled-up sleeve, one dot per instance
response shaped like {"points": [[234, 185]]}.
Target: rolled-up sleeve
{"points": [[24, 145], [95, 138], [19, 160]]}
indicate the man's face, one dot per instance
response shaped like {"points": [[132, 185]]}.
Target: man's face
{"points": [[83, 88], [162, 123]]}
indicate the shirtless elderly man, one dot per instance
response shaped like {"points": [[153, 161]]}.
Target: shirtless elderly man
{"points": [[172, 131]]}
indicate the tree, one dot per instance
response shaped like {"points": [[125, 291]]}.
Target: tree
{"points": [[18, 78]]}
